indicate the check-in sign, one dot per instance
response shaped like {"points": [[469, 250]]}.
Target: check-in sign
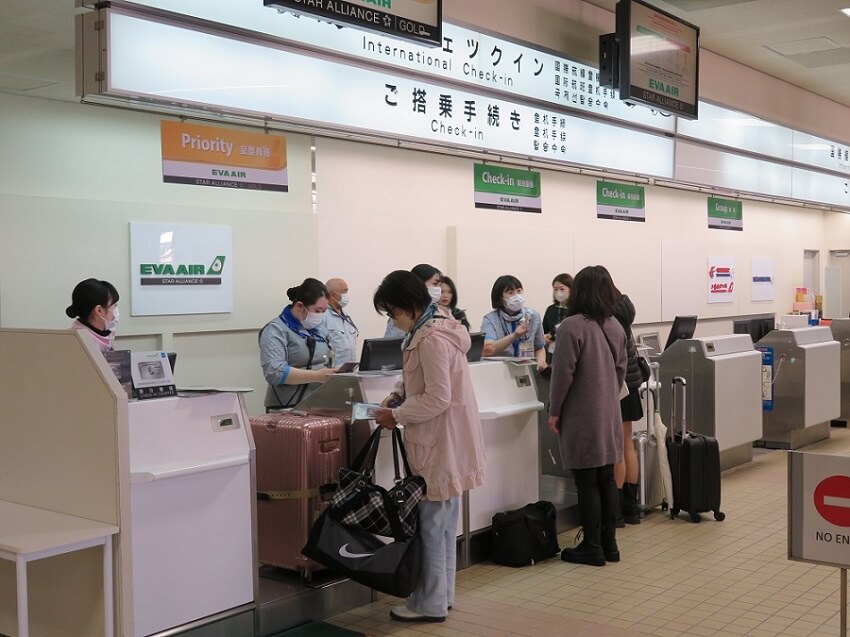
{"points": [[819, 508]]}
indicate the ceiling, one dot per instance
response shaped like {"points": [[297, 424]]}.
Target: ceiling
{"points": [[805, 42]]}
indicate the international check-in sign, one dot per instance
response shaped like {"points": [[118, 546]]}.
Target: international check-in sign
{"points": [[819, 508]]}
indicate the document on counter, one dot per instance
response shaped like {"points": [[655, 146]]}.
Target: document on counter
{"points": [[200, 390], [364, 411]]}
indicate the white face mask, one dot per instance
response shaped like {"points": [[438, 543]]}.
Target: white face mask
{"points": [[313, 320], [343, 299], [436, 292], [515, 303], [110, 325], [561, 296]]}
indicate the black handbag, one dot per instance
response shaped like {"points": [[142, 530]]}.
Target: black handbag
{"points": [[525, 536], [359, 502], [392, 568]]}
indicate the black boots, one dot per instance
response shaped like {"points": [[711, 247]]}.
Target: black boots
{"points": [[586, 553], [629, 504], [598, 505]]}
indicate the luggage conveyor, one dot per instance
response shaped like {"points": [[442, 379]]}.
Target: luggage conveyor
{"points": [[841, 333], [801, 387], [723, 386]]}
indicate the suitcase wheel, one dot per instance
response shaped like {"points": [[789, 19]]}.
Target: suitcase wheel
{"points": [[719, 516], [664, 505], [696, 517]]}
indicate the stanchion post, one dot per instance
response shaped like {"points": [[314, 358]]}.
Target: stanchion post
{"points": [[843, 602]]}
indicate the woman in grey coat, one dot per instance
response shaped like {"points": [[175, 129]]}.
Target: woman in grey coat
{"points": [[588, 369]]}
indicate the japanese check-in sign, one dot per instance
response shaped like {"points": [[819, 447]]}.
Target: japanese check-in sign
{"points": [[819, 508]]}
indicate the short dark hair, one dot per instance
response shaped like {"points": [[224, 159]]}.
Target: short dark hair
{"points": [[453, 289], [593, 294], [401, 290], [504, 282], [563, 279], [425, 271], [88, 294], [310, 291]]}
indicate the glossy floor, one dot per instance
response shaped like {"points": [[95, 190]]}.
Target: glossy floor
{"points": [[676, 578]]}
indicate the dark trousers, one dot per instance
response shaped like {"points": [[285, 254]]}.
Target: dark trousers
{"points": [[598, 503]]}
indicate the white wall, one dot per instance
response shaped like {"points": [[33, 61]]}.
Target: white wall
{"points": [[409, 207], [74, 177]]}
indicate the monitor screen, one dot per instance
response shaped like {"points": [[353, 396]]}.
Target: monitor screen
{"points": [[683, 328], [652, 341], [381, 354]]}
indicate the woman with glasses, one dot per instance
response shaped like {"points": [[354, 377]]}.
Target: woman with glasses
{"points": [[442, 433]]}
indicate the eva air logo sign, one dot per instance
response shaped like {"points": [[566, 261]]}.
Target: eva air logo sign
{"points": [[182, 274]]}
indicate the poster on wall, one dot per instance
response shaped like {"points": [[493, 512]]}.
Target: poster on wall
{"points": [[725, 214], [763, 274], [502, 188], [180, 269], [721, 279], [624, 202], [221, 157]]}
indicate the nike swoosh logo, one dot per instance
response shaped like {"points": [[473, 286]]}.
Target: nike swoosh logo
{"points": [[344, 552]]}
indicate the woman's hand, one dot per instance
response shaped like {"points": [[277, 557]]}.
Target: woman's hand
{"points": [[555, 425], [384, 417], [521, 330], [323, 374], [548, 338]]}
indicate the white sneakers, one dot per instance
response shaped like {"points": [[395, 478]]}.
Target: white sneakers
{"points": [[404, 614]]}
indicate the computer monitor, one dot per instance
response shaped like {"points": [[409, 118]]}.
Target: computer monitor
{"points": [[683, 328], [652, 341], [477, 347], [381, 354]]}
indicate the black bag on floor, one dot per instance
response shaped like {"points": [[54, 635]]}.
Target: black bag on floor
{"points": [[526, 535], [392, 568]]}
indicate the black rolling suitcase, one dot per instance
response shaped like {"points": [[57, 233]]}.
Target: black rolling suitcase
{"points": [[694, 464]]}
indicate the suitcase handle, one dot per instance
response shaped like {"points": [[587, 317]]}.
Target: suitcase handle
{"points": [[675, 414]]}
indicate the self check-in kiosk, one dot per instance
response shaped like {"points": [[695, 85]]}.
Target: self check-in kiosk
{"points": [[801, 390], [723, 400]]}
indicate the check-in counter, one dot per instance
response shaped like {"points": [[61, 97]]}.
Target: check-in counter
{"points": [[174, 475], [801, 386], [723, 391], [191, 496], [507, 405], [841, 332]]}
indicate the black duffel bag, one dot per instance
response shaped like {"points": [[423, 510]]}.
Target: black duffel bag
{"points": [[526, 535]]}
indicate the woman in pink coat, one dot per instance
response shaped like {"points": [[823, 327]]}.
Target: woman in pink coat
{"points": [[442, 433]]}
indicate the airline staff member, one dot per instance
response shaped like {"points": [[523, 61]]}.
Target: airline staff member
{"points": [[294, 351], [342, 332], [512, 329], [94, 305]]}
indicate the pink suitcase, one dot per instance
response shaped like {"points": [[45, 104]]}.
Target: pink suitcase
{"points": [[298, 462]]}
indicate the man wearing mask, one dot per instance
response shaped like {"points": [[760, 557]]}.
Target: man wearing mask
{"points": [[342, 332]]}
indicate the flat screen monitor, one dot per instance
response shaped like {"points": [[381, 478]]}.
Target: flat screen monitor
{"points": [[477, 347], [683, 328], [381, 355], [652, 341], [658, 58]]}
